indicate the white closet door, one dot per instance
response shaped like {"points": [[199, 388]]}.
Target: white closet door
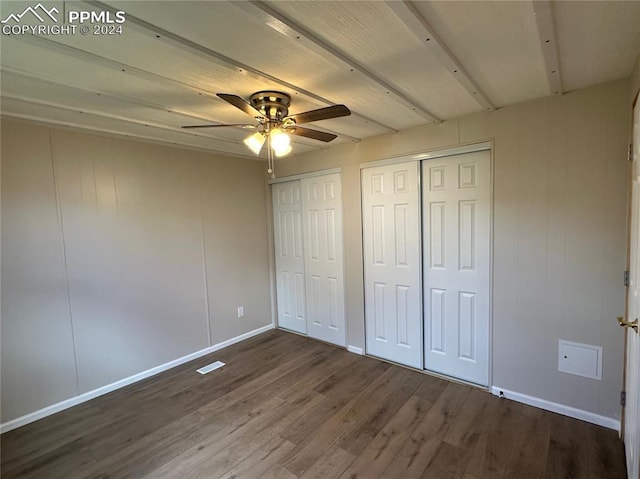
{"points": [[391, 222], [456, 228], [632, 356], [322, 213], [290, 284]]}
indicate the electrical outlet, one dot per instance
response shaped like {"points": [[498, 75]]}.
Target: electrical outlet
{"points": [[240, 312]]}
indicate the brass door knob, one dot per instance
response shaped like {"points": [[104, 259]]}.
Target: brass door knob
{"points": [[628, 324]]}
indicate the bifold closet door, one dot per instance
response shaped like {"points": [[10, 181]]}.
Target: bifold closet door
{"points": [[392, 269], [289, 256], [456, 233], [323, 264]]}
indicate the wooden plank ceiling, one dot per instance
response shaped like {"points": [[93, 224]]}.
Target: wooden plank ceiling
{"points": [[395, 64]]}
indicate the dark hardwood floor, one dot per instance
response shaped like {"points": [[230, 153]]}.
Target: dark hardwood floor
{"points": [[286, 406]]}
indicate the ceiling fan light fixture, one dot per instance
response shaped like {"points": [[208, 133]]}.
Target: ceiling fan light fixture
{"points": [[254, 142], [271, 110], [279, 139], [283, 151]]}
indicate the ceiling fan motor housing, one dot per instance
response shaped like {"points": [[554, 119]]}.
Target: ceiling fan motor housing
{"points": [[272, 104], [271, 110]]}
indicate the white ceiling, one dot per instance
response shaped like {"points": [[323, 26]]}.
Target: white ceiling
{"points": [[395, 64]]}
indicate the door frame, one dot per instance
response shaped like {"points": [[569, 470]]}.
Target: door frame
{"points": [[302, 176], [271, 243], [427, 154]]}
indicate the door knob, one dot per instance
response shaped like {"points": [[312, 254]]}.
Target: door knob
{"points": [[628, 324]]}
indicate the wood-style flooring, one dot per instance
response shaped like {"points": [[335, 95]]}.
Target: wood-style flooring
{"points": [[287, 407]]}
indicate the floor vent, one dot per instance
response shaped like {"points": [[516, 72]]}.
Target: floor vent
{"points": [[210, 367]]}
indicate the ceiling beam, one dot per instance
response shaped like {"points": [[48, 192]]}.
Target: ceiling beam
{"points": [[217, 145], [117, 98], [419, 26], [107, 97], [42, 42], [543, 11], [220, 145], [222, 60], [113, 133], [51, 45], [289, 28]]}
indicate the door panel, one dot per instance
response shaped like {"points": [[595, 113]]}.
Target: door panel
{"points": [[456, 228], [391, 219], [288, 237], [322, 213], [632, 377]]}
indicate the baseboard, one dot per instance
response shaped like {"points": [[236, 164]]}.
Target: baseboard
{"points": [[355, 350], [573, 412], [61, 406]]}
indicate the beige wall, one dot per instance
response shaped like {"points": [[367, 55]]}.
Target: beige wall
{"points": [[119, 256], [560, 193], [635, 79]]}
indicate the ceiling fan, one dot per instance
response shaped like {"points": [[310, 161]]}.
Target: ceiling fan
{"points": [[274, 124]]}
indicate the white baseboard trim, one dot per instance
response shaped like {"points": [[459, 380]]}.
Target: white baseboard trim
{"points": [[61, 406], [355, 350], [573, 412]]}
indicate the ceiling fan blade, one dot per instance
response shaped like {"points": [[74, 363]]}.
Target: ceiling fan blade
{"points": [[309, 133], [241, 125], [242, 104], [334, 111]]}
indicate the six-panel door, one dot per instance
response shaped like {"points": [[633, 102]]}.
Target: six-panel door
{"points": [[391, 224], [632, 371], [432, 313], [289, 256], [307, 218], [322, 216], [456, 225]]}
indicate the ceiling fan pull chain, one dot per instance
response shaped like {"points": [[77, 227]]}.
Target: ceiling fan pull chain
{"points": [[270, 171]]}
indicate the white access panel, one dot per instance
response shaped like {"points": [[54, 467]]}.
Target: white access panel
{"points": [[323, 265], [289, 256], [580, 359], [456, 247], [391, 241]]}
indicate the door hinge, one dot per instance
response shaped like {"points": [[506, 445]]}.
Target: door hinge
{"points": [[626, 278], [623, 398], [630, 152]]}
